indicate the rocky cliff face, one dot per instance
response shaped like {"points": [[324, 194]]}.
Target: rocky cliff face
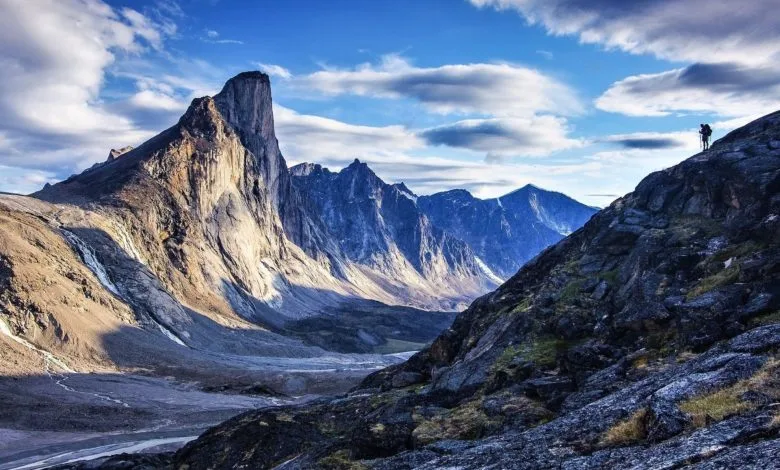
{"points": [[379, 225], [508, 231], [209, 207], [647, 339]]}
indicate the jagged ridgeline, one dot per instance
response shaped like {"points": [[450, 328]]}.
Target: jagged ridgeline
{"points": [[646, 339]]}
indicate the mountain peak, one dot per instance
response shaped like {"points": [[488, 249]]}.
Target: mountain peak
{"points": [[306, 169], [403, 188], [356, 163], [245, 102], [116, 153]]}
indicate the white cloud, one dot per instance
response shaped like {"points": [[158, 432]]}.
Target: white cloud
{"points": [[51, 107], [690, 30], [546, 54], [212, 37], [488, 89], [734, 49], [313, 138], [24, 180], [274, 70], [152, 100], [725, 89]]}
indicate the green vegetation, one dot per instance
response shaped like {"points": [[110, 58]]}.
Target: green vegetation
{"points": [[393, 345], [628, 431], [724, 277], [503, 361], [766, 319], [466, 421], [738, 251], [542, 351], [728, 401], [689, 226], [524, 305], [713, 407], [610, 276], [571, 267], [340, 461], [570, 291]]}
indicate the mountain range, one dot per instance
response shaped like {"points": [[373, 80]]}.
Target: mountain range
{"points": [[203, 231]]}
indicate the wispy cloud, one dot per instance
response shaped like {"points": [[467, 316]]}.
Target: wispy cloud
{"points": [[734, 50], [546, 54], [213, 37], [656, 140], [274, 70], [690, 30], [50, 95], [492, 89], [501, 137], [725, 89]]}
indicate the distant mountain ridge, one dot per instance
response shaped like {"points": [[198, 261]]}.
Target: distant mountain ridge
{"points": [[380, 224], [501, 234], [508, 231]]}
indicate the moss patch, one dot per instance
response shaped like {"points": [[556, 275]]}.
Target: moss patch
{"points": [[467, 421], [766, 319], [524, 305], [542, 351], [721, 404], [340, 461], [628, 431], [570, 291], [724, 277], [610, 276]]}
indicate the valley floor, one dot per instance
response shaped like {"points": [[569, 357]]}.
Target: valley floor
{"points": [[59, 418]]}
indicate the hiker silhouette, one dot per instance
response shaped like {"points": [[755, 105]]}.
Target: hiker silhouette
{"points": [[705, 132]]}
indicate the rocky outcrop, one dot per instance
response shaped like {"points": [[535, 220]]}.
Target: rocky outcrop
{"points": [[647, 339], [116, 153], [508, 231]]}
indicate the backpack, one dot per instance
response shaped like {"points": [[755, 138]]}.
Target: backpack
{"points": [[707, 130]]}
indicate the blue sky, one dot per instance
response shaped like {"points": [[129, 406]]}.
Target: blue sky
{"points": [[581, 96]]}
